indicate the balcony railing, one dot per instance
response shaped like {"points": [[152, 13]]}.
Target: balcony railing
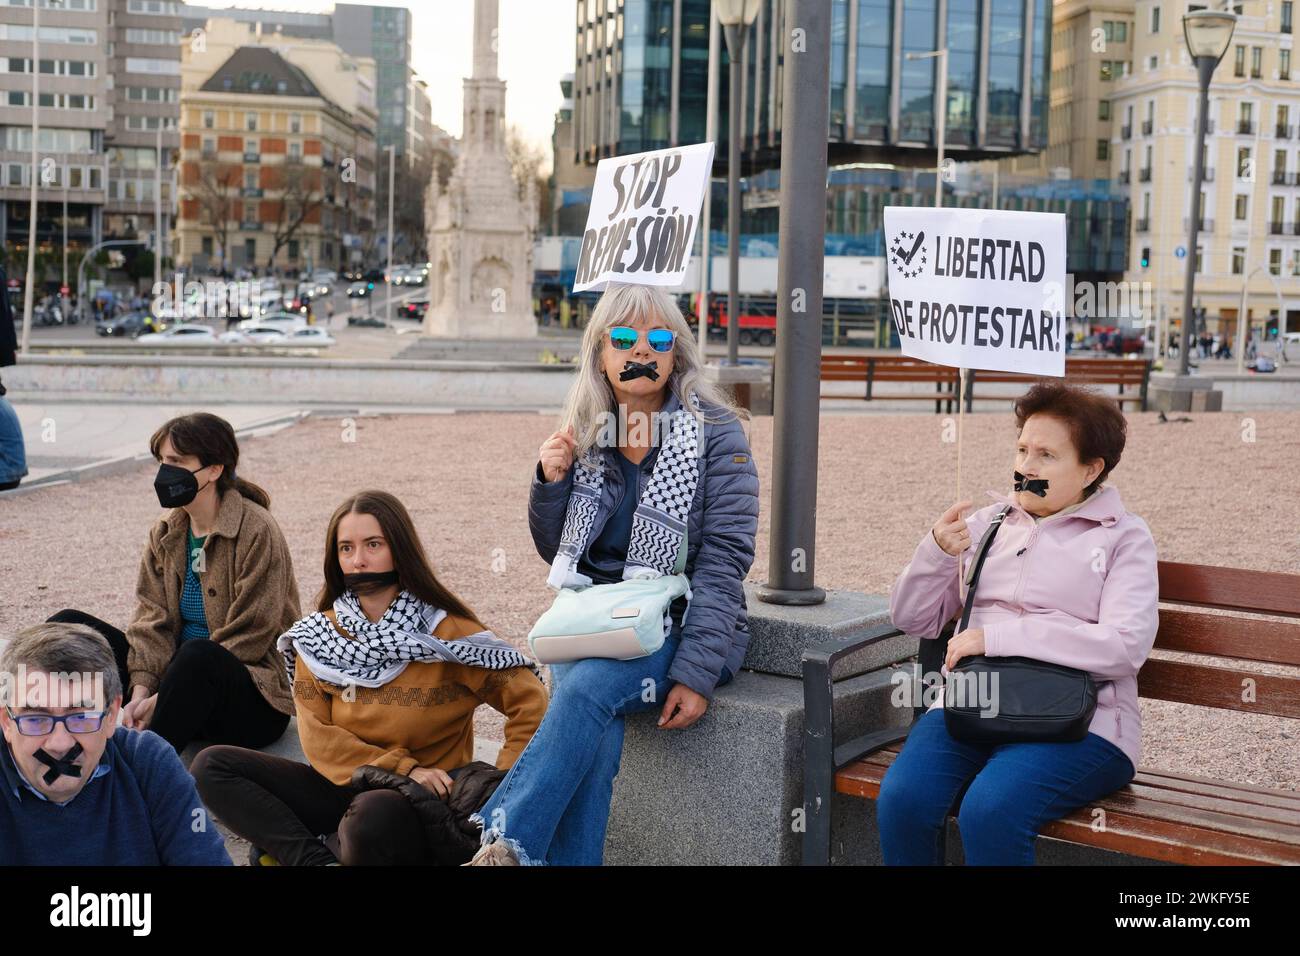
{"points": [[1206, 225], [1295, 228], [250, 192], [1246, 127], [1209, 125], [1142, 225], [1282, 131], [1147, 126], [1279, 177], [252, 157], [1124, 175], [1276, 229], [1144, 174], [1126, 132], [1207, 174]]}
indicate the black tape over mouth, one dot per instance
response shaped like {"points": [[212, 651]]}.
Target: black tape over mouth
{"points": [[1035, 486], [636, 369], [64, 766]]}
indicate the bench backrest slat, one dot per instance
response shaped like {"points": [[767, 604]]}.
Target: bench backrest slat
{"points": [[1232, 589], [1228, 635], [1220, 687]]}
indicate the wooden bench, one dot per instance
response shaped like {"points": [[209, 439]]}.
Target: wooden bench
{"points": [[871, 370], [1170, 817]]}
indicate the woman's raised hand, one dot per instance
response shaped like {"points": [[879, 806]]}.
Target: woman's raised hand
{"points": [[950, 531], [556, 454]]}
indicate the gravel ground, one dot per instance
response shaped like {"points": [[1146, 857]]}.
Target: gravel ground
{"points": [[1220, 490]]}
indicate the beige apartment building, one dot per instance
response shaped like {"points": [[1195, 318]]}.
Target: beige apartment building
{"points": [[269, 168], [1250, 219]]}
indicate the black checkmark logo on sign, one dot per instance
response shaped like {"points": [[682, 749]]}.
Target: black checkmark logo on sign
{"points": [[904, 260]]}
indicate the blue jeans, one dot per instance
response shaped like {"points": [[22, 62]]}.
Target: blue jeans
{"points": [[1013, 790], [553, 805]]}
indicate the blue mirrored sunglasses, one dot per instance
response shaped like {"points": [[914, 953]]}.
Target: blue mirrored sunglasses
{"points": [[624, 338]]}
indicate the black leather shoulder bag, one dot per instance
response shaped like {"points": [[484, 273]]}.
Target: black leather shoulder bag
{"points": [[1004, 700]]}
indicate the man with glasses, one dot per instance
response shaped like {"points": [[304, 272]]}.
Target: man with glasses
{"points": [[75, 789]]}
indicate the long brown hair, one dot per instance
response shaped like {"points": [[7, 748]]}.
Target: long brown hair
{"points": [[414, 574], [212, 441]]}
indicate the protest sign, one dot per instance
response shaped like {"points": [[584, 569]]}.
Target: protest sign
{"points": [[978, 288], [644, 211]]}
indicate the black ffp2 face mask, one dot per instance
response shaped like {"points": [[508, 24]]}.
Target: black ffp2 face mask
{"points": [[1035, 486], [367, 582], [176, 486]]}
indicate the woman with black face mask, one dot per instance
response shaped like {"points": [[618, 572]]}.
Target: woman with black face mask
{"points": [[387, 675], [215, 590]]}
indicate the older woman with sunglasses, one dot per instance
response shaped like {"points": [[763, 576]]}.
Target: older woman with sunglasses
{"points": [[608, 501]]}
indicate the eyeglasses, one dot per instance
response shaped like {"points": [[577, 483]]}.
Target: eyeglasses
{"points": [[38, 725], [624, 338]]}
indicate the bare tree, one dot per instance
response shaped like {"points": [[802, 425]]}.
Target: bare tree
{"points": [[528, 161], [216, 189], [300, 197]]}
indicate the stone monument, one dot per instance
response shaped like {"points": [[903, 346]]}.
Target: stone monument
{"points": [[481, 243]]}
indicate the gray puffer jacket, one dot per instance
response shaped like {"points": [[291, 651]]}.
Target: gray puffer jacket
{"points": [[720, 546]]}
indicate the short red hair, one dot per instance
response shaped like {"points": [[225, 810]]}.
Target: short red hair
{"points": [[1097, 427]]}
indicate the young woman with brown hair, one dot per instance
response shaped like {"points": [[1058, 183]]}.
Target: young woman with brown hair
{"points": [[387, 674], [215, 589]]}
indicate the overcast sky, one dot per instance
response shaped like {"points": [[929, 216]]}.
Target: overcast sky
{"points": [[535, 49]]}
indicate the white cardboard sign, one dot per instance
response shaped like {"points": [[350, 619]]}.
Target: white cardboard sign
{"points": [[978, 288], [645, 208]]}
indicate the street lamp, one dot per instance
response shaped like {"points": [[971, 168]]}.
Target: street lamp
{"points": [[1208, 33], [29, 292], [940, 117], [736, 17], [388, 275]]}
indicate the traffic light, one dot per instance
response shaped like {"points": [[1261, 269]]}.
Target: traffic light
{"points": [[1146, 256]]}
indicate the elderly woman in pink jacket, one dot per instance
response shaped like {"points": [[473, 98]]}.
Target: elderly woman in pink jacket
{"points": [[1070, 579]]}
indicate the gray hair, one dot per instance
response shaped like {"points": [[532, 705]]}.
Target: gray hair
{"points": [[591, 399], [58, 648]]}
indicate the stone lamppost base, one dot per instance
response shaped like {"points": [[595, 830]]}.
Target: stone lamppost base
{"points": [[1170, 392]]}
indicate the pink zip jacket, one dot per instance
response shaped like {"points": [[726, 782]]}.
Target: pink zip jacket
{"points": [[1077, 588]]}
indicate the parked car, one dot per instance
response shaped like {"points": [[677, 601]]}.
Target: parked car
{"points": [[283, 321], [353, 275], [254, 335], [414, 309], [374, 275], [313, 289], [179, 335], [313, 335], [131, 324], [359, 290]]}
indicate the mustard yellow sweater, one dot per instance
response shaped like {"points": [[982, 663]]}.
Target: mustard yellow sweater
{"points": [[422, 718]]}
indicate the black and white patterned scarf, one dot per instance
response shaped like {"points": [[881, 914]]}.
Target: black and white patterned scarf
{"points": [[659, 524], [379, 651]]}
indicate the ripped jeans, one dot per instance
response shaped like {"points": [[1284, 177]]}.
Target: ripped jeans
{"points": [[553, 806]]}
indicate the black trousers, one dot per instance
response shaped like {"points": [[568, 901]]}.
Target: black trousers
{"points": [[301, 817], [205, 693]]}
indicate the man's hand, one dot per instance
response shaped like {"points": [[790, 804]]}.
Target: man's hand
{"points": [[968, 643], [432, 778], [682, 708]]}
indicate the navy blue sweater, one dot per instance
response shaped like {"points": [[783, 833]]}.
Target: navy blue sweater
{"points": [[144, 811]]}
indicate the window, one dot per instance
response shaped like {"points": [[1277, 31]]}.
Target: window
{"points": [[1275, 262], [143, 64], [1286, 16], [206, 245], [1284, 64], [1103, 109], [295, 123], [250, 121], [1245, 168], [1153, 63], [1199, 250], [295, 152], [1116, 31], [250, 179], [1256, 62], [293, 249], [94, 173], [166, 7], [157, 37], [15, 174], [1238, 260], [209, 119], [1239, 62], [1240, 207], [52, 35], [74, 177], [250, 147], [1155, 19], [1103, 149], [209, 146]]}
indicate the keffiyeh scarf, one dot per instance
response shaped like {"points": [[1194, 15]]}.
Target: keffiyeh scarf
{"points": [[379, 651], [659, 523]]}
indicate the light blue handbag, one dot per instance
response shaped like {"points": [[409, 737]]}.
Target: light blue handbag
{"points": [[620, 621]]}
